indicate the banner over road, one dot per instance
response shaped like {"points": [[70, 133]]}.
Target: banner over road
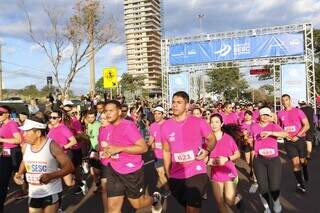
{"points": [[229, 49]]}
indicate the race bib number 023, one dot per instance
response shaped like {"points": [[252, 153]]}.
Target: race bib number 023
{"points": [[184, 156], [267, 152]]}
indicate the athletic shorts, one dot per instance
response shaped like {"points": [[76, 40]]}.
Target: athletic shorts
{"points": [[76, 156], [246, 148], [296, 149], [158, 163], [95, 163], [41, 203], [130, 185], [104, 171], [310, 136], [189, 192]]}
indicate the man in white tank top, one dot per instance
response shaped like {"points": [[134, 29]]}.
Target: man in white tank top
{"points": [[44, 164]]}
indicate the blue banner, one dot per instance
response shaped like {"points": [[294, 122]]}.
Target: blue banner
{"points": [[178, 82], [285, 44], [294, 82]]}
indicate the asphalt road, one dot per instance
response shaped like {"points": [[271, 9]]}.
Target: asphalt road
{"points": [[290, 199]]}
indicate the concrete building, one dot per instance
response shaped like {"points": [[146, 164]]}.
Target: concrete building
{"points": [[142, 19]]}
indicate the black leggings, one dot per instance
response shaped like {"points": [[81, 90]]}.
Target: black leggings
{"points": [[268, 173], [7, 166]]}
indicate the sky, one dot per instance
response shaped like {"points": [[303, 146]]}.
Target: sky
{"points": [[24, 63]]}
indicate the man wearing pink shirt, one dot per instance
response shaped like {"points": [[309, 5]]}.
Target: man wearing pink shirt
{"points": [[125, 175], [294, 121], [183, 158]]}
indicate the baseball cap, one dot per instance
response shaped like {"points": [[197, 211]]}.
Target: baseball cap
{"points": [[67, 103], [159, 109], [30, 124], [265, 111]]}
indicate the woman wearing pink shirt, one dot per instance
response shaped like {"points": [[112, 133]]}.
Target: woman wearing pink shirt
{"points": [[247, 147], [224, 176], [267, 164], [10, 152]]}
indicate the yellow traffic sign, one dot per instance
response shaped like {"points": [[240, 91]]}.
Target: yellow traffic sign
{"points": [[110, 77]]}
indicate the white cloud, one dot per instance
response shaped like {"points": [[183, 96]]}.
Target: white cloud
{"points": [[34, 48]]}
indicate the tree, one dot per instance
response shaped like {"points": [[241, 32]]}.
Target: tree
{"points": [[269, 88], [30, 90], [85, 29], [316, 40], [227, 82]]}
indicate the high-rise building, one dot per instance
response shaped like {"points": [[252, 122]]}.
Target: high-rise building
{"points": [[142, 19]]}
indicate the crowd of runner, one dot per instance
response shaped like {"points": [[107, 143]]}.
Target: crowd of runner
{"points": [[195, 147]]}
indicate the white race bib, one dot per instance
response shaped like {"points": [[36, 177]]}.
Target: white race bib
{"points": [[267, 152], [184, 156], [6, 152], [33, 178], [115, 157], [158, 145], [290, 128]]}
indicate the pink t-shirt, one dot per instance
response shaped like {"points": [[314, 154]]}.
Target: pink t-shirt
{"points": [[246, 127], [267, 147], [7, 131], [60, 135], [103, 139], [125, 134], [291, 120], [231, 118], [255, 115], [225, 147], [240, 116], [76, 126], [156, 134], [184, 139]]}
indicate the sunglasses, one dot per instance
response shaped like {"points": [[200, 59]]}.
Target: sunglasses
{"points": [[54, 117]]}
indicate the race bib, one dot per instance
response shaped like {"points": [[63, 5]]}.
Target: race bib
{"points": [[104, 144], [6, 152], [33, 178], [115, 157], [184, 156], [158, 145], [290, 128], [267, 152]]}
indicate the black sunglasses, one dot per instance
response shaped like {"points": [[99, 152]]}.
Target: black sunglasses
{"points": [[54, 117]]}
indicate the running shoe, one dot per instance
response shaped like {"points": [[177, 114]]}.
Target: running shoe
{"points": [[267, 210], [60, 210], [77, 190], [277, 208], [84, 187], [166, 193], [157, 203], [85, 167], [301, 188]]}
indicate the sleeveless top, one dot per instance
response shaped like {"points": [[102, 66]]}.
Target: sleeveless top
{"points": [[38, 163]]}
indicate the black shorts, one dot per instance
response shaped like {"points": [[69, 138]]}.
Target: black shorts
{"points": [[310, 136], [246, 148], [296, 149], [76, 156], [41, 203], [95, 163], [130, 185], [189, 192], [104, 171]]}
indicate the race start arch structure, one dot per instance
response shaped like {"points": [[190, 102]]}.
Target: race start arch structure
{"points": [[273, 46]]}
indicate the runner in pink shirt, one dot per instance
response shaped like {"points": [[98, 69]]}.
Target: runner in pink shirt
{"points": [[103, 139], [10, 151], [294, 121], [229, 117], [182, 153], [156, 145], [267, 164], [247, 148], [125, 174], [224, 175], [63, 137]]}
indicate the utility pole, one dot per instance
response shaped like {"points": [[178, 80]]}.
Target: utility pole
{"points": [[200, 17], [1, 94]]}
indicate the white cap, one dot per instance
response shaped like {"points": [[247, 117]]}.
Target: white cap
{"points": [[66, 103], [30, 124], [265, 111], [159, 109]]}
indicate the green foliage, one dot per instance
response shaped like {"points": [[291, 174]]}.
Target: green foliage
{"points": [[227, 82]]}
